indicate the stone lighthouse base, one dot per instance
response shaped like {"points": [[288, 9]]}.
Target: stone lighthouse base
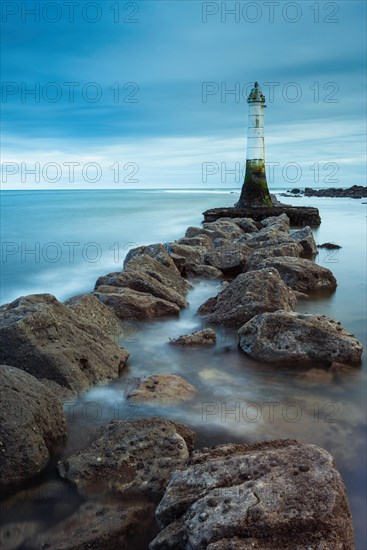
{"points": [[299, 216]]}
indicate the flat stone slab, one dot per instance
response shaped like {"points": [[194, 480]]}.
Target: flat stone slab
{"points": [[299, 216]]}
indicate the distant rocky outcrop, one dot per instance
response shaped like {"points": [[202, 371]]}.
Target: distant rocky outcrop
{"points": [[270, 496], [354, 192]]}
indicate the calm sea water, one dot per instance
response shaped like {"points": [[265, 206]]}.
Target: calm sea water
{"points": [[60, 242]]}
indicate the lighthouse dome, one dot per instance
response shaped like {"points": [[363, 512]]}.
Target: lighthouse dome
{"points": [[256, 95]]}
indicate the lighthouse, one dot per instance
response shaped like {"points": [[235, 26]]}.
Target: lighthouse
{"points": [[255, 190]]}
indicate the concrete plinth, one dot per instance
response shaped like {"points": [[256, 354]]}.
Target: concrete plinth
{"points": [[299, 215]]}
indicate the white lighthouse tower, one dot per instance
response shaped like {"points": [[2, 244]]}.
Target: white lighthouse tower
{"points": [[255, 190]]}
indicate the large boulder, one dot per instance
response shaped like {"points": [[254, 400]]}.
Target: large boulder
{"points": [[292, 338], [125, 458], [145, 274], [228, 257], [165, 389], [293, 249], [227, 226], [88, 307], [130, 304], [32, 426], [277, 495], [58, 346], [305, 237], [300, 274], [248, 295], [158, 251]]}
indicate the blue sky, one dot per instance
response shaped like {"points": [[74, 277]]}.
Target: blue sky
{"points": [[175, 122]]}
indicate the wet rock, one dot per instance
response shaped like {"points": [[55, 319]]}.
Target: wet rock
{"points": [[12, 535], [32, 426], [200, 338], [284, 249], [130, 304], [212, 233], [300, 274], [157, 251], [99, 525], [248, 225], [92, 310], [161, 388], [150, 272], [272, 495], [292, 338], [306, 239], [229, 227], [180, 263], [145, 274], [229, 257], [204, 272], [280, 222], [49, 340], [194, 254], [130, 458], [248, 295], [201, 240]]}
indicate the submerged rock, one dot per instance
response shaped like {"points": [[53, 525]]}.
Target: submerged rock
{"points": [[32, 426], [292, 338], [58, 346], [100, 525], [271, 495], [161, 388], [130, 304], [130, 458], [201, 338], [329, 246], [248, 295], [300, 274]]}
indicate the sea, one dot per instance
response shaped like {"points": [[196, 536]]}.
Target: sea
{"points": [[60, 242]]}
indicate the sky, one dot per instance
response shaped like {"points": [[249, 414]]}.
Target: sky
{"points": [[152, 93]]}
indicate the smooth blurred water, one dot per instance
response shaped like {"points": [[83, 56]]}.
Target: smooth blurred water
{"points": [[238, 399]]}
